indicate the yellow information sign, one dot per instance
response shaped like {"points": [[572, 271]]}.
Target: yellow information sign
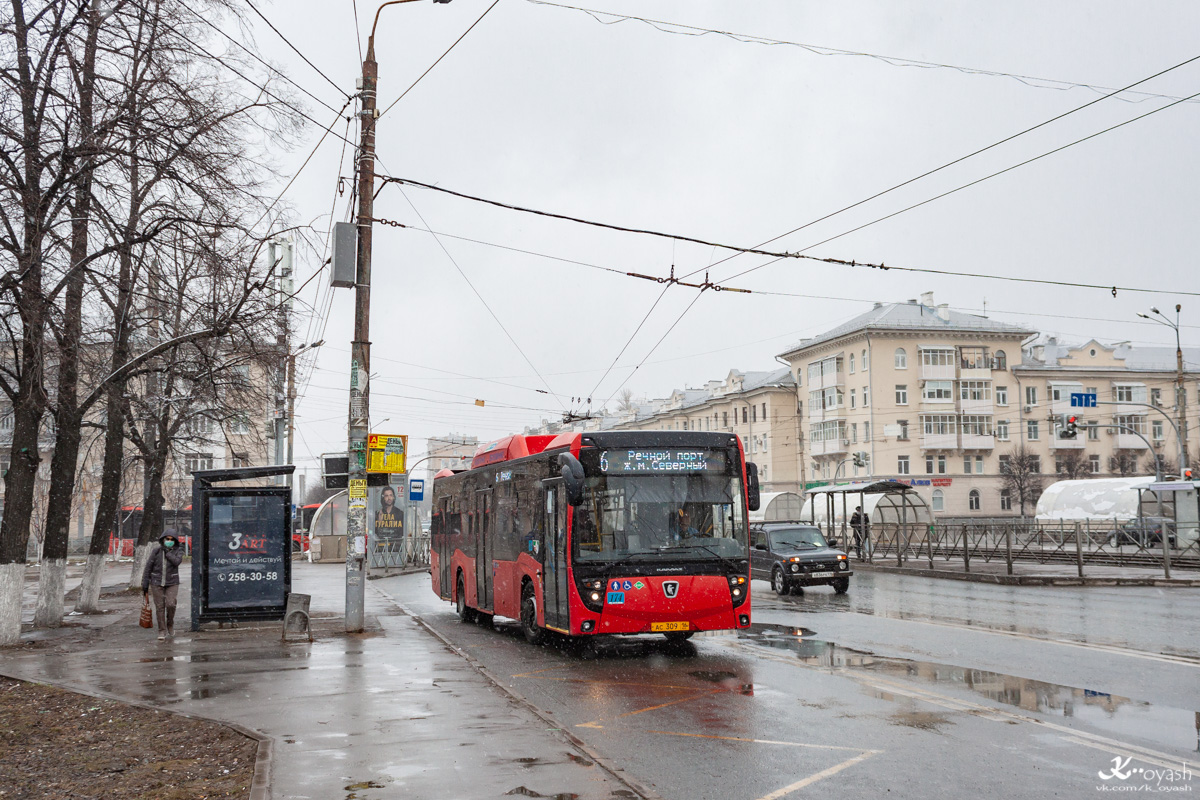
{"points": [[358, 487], [386, 453]]}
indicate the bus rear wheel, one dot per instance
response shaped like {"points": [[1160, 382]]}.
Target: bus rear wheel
{"points": [[679, 637], [465, 612], [529, 626]]}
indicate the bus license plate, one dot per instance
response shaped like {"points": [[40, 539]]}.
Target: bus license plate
{"points": [[821, 575], [669, 626]]}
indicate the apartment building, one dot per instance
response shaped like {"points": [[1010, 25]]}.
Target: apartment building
{"points": [[942, 400], [760, 407], [451, 451]]}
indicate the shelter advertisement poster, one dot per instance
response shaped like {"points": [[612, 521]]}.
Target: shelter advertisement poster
{"points": [[386, 453], [246, 547]]}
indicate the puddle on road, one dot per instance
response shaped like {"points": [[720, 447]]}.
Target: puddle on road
{"points": [[1177, 727]]}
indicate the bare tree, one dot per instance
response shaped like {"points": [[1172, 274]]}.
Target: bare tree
{"points": [[1021, 476], [1072, 465], [1124, 462]]}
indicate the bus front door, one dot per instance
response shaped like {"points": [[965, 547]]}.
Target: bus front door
{"points": [[555, 579]]}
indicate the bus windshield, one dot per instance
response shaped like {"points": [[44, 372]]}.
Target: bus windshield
{"points": [[661, 503]]}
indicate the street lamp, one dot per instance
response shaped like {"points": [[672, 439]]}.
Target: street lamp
{"points": [[360, 346], [1180, 392]]}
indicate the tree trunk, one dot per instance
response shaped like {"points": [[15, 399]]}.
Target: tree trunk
{"points": [[152, 516], [110, 495], [68, 416]]}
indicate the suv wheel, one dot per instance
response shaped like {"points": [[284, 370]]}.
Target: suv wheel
{"points": [[778, 582], [841, 585]]}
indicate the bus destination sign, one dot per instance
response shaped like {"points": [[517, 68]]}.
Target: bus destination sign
{"points": [[661, 461]]}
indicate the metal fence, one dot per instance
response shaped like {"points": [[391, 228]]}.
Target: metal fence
{"points": [[400, 553], [1108, 543]]}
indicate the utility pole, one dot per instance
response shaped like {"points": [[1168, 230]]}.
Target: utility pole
{"points": [[360, 354], [1180, 394]]}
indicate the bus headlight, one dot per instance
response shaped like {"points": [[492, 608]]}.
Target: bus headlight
{"points": [[591, 592]]}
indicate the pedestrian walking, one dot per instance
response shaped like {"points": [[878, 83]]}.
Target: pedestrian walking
{"points": [[860, 524], [161, 579]]}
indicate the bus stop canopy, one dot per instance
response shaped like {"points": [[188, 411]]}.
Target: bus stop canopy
{"points": [[1093, 498], [884, 501], [778, 506]]}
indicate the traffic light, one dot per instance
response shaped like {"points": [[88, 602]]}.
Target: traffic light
{"points": [[1068, 426], [860, 459], [1187, 474]]}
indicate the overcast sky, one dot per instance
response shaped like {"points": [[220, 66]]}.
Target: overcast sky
{"points": [[730, 142]]}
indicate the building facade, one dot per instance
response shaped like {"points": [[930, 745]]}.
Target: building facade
{"points": [[948, 402]]}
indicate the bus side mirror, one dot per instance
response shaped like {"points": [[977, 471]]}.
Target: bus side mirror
{"points": [[572, 476], [752, 493]]}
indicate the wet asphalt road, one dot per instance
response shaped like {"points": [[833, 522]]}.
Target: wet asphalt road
{"points": [[908, 686]]}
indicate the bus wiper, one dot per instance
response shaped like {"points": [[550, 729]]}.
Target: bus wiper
{"points": [[733, 566], [612, 566]]}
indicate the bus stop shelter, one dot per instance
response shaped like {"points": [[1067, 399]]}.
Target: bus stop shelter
{"points": [[894, 509]]}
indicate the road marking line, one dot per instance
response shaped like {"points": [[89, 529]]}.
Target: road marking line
{"points": [[767, 741], [819, 776], [1118, 752]]}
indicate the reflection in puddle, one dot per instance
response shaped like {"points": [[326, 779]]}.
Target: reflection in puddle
{"points": [[1112, 712]]}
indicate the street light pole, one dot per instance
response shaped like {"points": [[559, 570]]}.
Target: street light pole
{"points": [[360, 347], [1180, 391], [291, 399]]}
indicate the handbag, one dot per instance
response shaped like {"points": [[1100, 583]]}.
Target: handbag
{"points": [[147, 618]]}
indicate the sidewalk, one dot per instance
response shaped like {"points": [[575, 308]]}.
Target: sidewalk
{"points": [[387, 713], [1028, 573]]}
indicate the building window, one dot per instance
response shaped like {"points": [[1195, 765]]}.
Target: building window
{"points": [[1093, 430], [1031, 430], [199, 461], [1005, 460], [1094, 464], [1031, 395], [901, 465], [901, 358], [937, 358], [754, 413], [864, 360], [941, 465], [1130, 392], [866, 397], [1005, 500], [1001, 395], [939, 500], [852, 363], [1002, 430], [1058, 467], [853, 404], [976, 425], [764, 443], [854, 432], [938, 391], [901, 394], [1133, 421], [973, 500], [1156, 397], [1156, 430], [903, 423], [975, 390], [745, 414], [1000, 360], [938, 424], [974, 358], [866, 431], [239, 460], [929, 465], [764, 411], [725, 419], [966, 465], [978, 465]]}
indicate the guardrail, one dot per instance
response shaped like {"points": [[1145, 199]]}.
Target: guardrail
{"points": [[1107, 543], [399, 553]]}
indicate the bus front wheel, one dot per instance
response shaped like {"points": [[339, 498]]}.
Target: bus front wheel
{"points": [[529, 626]]}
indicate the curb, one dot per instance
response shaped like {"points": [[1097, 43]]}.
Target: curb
{"points": [[1031, 580], [616, 772]]}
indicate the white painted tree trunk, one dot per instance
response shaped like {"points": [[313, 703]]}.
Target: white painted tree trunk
{"points": [[89, 590], [12, 584], [140, 554], [52, 584]]}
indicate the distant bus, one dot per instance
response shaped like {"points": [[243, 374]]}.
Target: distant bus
{"points": [[617, 532]]}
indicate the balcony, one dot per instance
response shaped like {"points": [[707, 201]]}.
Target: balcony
{"points": [[1078, 443], [940, 441], [971, 441], [975, 374], [828, 380], [983, 408], [940, 372], [830, 447], [1129, 441]]}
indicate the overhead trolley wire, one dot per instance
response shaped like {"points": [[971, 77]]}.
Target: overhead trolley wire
{"points": [[960, 159], [780, 255], [821, 50], [439, 58], [295, 49]]}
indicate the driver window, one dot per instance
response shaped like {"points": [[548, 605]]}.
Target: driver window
{"points": [[760, 538]]}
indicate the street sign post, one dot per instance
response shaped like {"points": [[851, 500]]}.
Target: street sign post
{"points": [[1083, 400], [416, 490]]}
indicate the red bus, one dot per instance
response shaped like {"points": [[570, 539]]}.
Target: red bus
{"points": [[615, 532]]}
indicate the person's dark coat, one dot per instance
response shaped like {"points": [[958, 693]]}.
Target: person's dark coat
{"points": [[162, 568]]}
